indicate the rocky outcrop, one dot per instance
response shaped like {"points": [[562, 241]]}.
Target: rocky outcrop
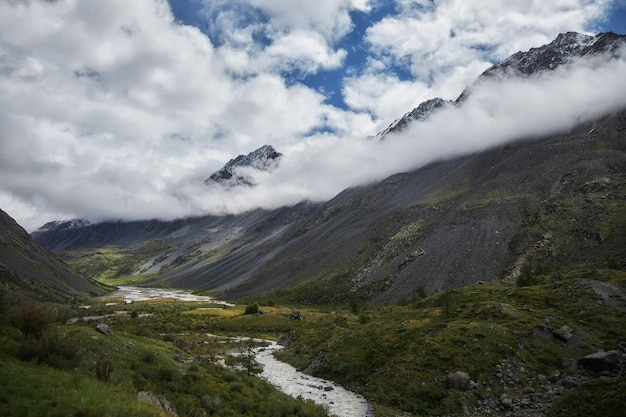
{"points": [[104, 329], [601, 361], [157, 400], [265, 158]]}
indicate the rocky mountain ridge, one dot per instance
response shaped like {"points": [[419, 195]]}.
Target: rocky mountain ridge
{"points": [[563, 50], [266, 158]]}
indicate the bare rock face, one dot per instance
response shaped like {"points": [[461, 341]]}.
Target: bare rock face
{"points": [[157, 400], [601, 361], [265, 158]]}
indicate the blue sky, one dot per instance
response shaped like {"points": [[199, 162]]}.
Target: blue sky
{"points": [[120, 109], [330, 81]]}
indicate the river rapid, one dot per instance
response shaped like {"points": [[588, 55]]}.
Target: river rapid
{"points": [[340, 401]]}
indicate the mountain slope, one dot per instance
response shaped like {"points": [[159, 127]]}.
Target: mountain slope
{"points": [[553, 202], [548, 202], [474, 218], [27, 269]]}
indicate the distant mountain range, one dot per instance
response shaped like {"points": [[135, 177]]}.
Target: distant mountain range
{"points": [[548, 203]]}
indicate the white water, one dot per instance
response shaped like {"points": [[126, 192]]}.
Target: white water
{"points": [[340, 402]]}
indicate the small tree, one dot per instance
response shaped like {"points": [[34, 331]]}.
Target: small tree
{"points": [[251, 309], [247, 359]]}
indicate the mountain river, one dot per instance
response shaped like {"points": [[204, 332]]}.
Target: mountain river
{"points": [[339, 401]]}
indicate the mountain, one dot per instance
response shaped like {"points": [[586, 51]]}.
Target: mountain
{"points": [[29, 270], [420, 113], [265, 158], [563, 50], [550, 202]]}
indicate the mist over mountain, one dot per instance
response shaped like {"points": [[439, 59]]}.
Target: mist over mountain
{"points": [[520, 160], [106, 177], [561, 51], [266, 158]]}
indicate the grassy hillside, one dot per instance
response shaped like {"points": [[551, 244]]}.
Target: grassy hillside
{"points": [[115, 266], [503, 334], [48, 368]]}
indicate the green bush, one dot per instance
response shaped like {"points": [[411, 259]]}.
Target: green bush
{"points": [[33, 320], [527, 278], [54, 350], [251, 309]]}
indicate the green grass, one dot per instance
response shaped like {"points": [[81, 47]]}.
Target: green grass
{"points": [[399, 358], [100, 375], [115, 266], [599, 398], [35, 390]]}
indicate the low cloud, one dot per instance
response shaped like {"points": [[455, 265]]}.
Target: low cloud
{"points": [[497, 112], [115, 110]]}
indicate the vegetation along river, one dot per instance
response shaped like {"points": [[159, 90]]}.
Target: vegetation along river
{"points": [[338, 400]]}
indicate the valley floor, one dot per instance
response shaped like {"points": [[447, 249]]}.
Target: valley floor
{"points": [[551, 345]]}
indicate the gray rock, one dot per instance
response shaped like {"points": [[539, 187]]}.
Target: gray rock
{"points": [[296, 315], [104, 329], [600, 361], [458, 380], [506, 401], [157, 400], [569, 382], [564, 333]]}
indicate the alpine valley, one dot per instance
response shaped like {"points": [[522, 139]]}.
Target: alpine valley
{"points": [[490, 283]]}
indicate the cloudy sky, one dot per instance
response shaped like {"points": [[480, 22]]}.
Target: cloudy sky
{"points": [[120, 109]]}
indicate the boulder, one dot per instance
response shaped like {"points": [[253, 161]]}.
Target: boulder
{"points": [[564, 333], [601, 361], [158, 401], [296, 315], [104, 329], [506, 401], [459, 380]]}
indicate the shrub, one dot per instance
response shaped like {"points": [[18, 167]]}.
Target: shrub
{"points": [[251, 309], [104, 368], [353, 300], [33, 320], [421, 291], [50, 348], [527, 278]]}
